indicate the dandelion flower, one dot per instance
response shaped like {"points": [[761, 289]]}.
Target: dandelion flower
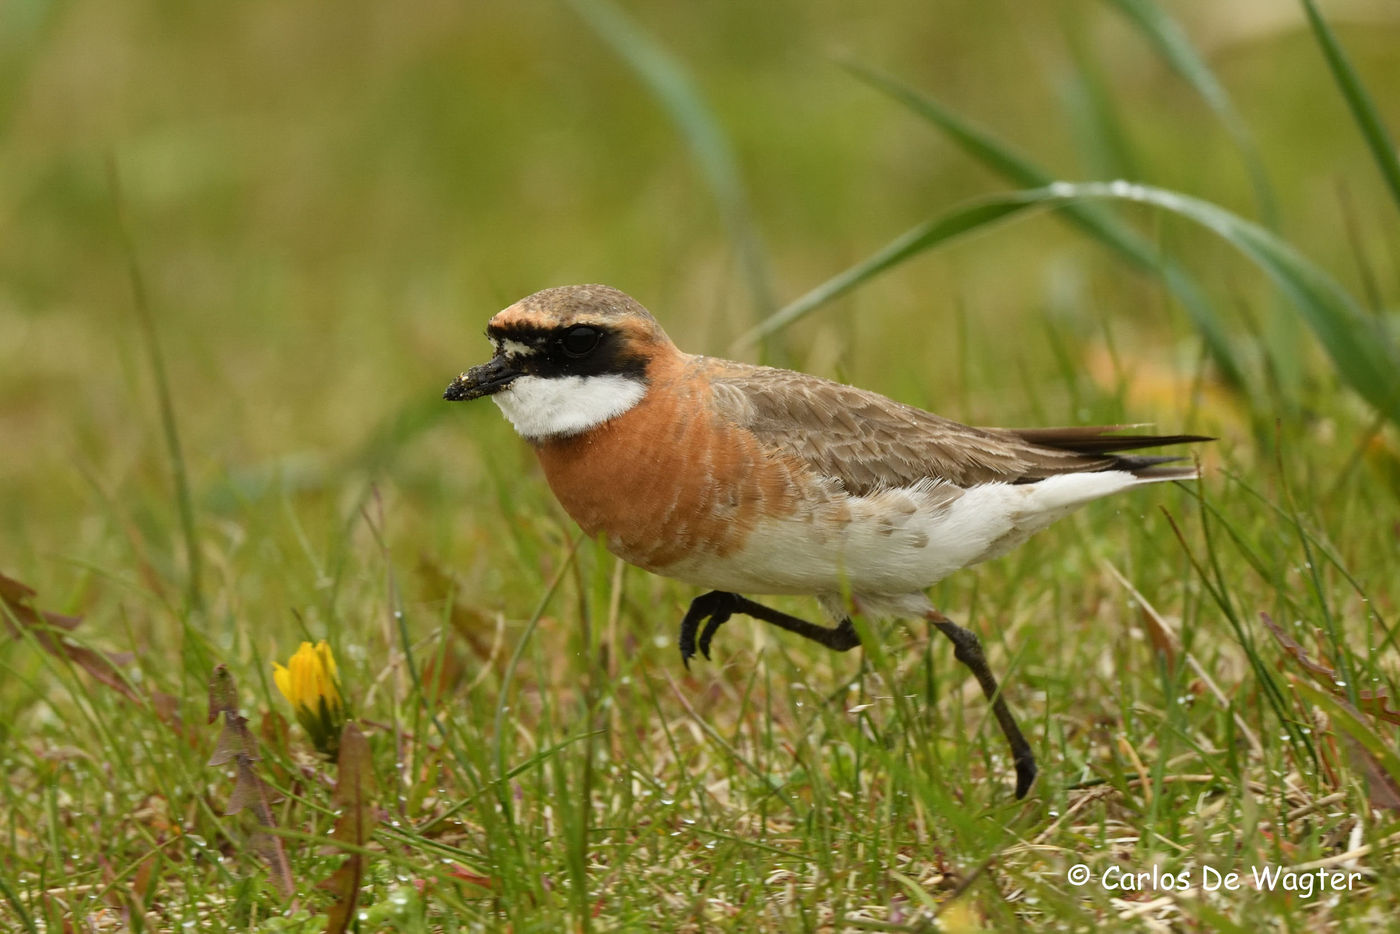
{"points": [[309, 682]]}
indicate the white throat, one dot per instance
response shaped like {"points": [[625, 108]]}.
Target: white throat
{"points": [[558, 406]]}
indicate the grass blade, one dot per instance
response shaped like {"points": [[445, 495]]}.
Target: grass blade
{"points": [[194, 588], [1092, 219], [925, 236], [13, 898], [1363, 109], [1365, 356], [1173, 44], [671, 85]]}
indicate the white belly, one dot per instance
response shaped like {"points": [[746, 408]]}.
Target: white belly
{"points": [[897, 542]]}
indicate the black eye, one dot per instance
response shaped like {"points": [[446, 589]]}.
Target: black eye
{"points": [[579, 340]]}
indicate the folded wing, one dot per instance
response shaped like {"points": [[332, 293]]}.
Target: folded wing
{"points": [[869, 442]]}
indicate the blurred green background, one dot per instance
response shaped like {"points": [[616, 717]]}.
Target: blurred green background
{"points": [[324, 203], [327, 201]]}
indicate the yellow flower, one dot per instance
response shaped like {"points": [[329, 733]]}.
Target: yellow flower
{"points": [[310, 683]]}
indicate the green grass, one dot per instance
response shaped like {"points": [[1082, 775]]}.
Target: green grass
{"points": [[248, 245]]}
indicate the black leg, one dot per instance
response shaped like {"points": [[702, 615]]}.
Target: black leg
{"points": [[717, 606], [840, 638], [968, 650]]}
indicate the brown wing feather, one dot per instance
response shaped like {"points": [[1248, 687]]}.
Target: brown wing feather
{"points": [[869, 442], [1101, 439]]}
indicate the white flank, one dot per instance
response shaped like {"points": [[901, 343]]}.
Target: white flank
{"points": [[552, 407], [896, 543]]}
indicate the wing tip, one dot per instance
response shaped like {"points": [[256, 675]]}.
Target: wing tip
{"points": [[1159, 474], [1103, 439]]}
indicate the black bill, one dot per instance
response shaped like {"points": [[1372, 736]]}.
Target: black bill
{"points": [[490, 377]]}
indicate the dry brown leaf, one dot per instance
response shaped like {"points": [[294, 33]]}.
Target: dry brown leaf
{"points": [[236, 744], [1376, 702], [1381, 789], [1370, 752], [46, 628], [16, 598], [353, 789], [474, 878]]}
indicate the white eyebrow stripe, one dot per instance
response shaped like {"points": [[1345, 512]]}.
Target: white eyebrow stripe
{"points": [[512, 348]]}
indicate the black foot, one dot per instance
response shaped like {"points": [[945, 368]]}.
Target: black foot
{"points": [[1025, 774], [968, 650], [718, 606], [708, 633]]}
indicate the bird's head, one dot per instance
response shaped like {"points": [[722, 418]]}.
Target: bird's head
{"points": [[566, 360]]}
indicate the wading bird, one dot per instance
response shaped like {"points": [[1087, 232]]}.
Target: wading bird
{"points": [[748, 479]]}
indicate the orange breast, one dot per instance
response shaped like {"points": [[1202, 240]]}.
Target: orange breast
{"points": [[667, 478]]}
